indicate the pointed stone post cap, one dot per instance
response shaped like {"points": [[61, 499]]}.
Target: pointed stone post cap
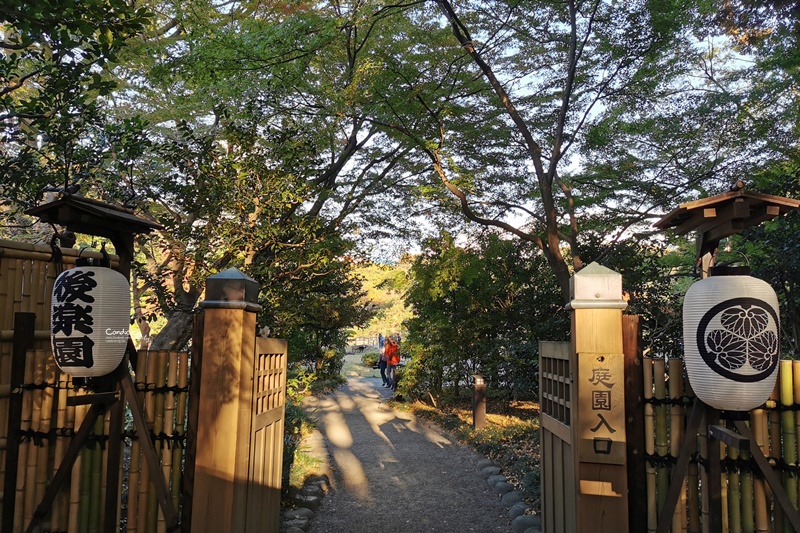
{"points": [[596, 287], [231, 289]]}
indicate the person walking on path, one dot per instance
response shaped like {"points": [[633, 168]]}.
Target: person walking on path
{"points": [[392, 360], [390, 472], [382, 364]]}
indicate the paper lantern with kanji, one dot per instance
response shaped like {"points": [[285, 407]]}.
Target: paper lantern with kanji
{"points": [[731, 338], [89, 320]]}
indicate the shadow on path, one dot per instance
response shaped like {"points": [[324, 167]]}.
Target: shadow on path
{"points": [[393, 473]]}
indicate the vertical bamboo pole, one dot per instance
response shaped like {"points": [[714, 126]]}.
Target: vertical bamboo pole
{"points": [[144, 475], [761, 509], [649, 443], [79, 413], [42, 473], [788, 432], [676, 419], [748, 501], [24, 448], [96, 480], [796, 402], [180, 427], [692, 479], [775, 448], [662, 443], [134, 476], [734, 495], [154, 514], [85, 492], [37, 357], [106, 433], [61, 503], [168, 427], [704, 477]]}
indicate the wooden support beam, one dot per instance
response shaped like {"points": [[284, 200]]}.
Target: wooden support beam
{"points": [[24, 333], [65, 468], [790, 511], [149, 453], [681, 468], [729, 437]]}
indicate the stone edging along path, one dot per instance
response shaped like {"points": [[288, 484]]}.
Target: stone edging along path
{"points": [[310, 498]]}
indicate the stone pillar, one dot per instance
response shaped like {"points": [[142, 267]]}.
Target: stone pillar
{"points": [[599, 443], [219, 501]]}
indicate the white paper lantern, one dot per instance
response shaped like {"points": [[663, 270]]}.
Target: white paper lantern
{"points": [[731, 338], [90, 316]]}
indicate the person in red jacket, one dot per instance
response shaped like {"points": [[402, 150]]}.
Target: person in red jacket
{"points": [[392, 360]]}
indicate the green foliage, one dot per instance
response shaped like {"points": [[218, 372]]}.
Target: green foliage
{"points": [[370, 359], [54, 63], [480, 309], [297, 423], [384, 286]]}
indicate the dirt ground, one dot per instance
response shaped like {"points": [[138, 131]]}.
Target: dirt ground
{"points": [[393, 473]]}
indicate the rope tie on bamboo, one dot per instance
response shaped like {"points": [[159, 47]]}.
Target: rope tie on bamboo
{"points": [[176, 439], [738, 466], [151, 387], [93, 441], [38, 386], [661, 461], [684, 401], [37, 437]]}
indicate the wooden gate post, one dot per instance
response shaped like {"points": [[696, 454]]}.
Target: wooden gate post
{"points": [[219, 501], [599, 418]]}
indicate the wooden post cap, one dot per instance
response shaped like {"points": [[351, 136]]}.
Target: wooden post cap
{"points": [[596, 287], [231, 289]]}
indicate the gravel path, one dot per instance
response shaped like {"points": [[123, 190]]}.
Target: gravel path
{"points": [[390, 472]]}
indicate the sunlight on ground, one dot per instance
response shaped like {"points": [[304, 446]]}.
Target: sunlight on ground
{"points": [[364, 397]]}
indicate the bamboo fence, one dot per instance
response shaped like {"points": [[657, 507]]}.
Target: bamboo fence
{"points": [[48, 424], [747, 503], [27, 274]]}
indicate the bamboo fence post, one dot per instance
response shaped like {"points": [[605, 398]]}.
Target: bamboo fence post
{"points": [[796, 402], [77, 470], [649, 443], [734, 495], [24, 448], [692, 478], [180, 427], [748, 501], [761, 509], [788, 432], [61, 503], [168, 427], [145, 486], [775, 449], [702, 435], [154, 514], [676, 419], [104, 450], [35, 421], [662, 443], [96, 479], [45, 424], [136, 457]]}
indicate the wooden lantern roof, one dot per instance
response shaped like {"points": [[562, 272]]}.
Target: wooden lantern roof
{"points": [[92, 217], [725, 214]]}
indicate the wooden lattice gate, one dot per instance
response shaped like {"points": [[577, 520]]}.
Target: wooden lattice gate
{"points": [[269, 402]]}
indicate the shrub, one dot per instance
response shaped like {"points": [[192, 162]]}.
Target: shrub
{"points": [[369, 359]]}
